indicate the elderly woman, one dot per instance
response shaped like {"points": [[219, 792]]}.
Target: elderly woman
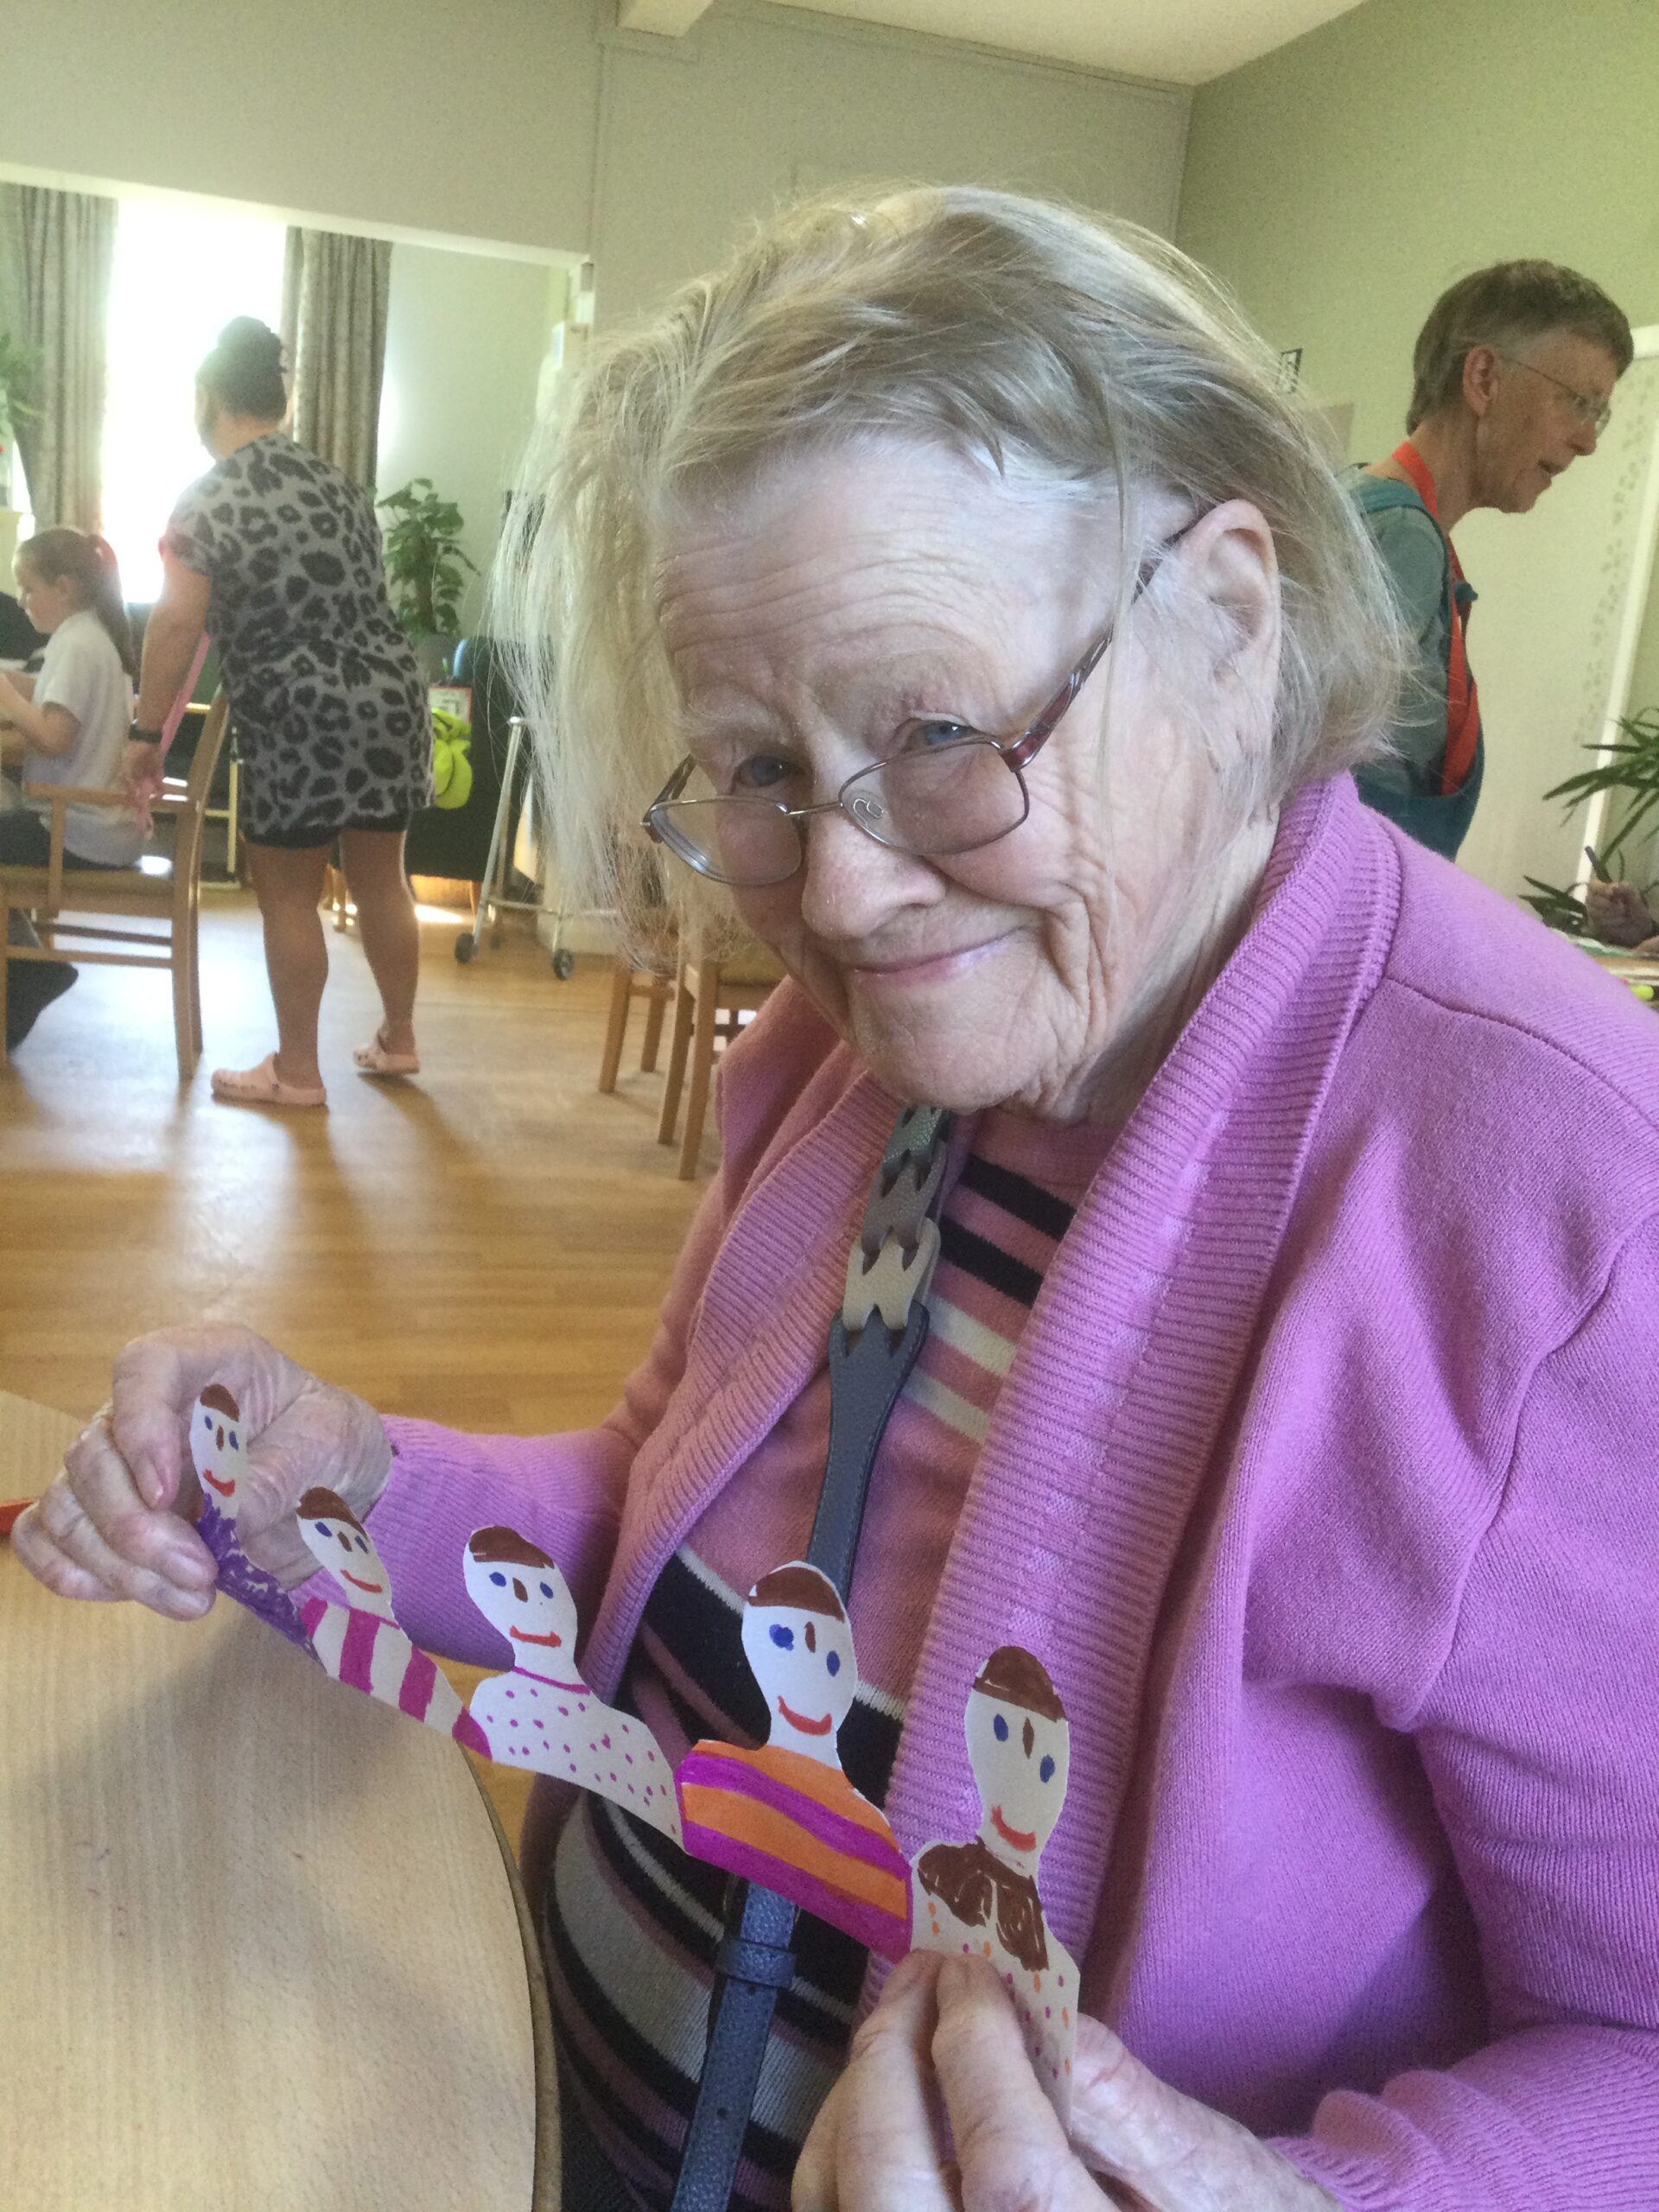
{"points": [[977, 611]]}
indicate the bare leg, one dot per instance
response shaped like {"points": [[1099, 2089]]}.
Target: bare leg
{"points": [[387, 922], [289, 886]]}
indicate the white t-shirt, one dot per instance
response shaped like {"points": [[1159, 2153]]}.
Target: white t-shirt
{"points": [[82, 673]]}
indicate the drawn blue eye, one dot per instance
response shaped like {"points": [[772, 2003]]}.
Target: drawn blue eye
{"points": [[1046, 1772], [833, 1663], [362, 1543], [322, 1528], [235, 1447], [499, 1580], [999, 1729], [546, 1589], [782, 1636]]}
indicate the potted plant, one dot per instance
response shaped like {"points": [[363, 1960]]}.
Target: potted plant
{"points": [[17, 376], [1630, 769], [426, 568]]}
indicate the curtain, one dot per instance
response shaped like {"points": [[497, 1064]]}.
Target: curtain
{"points": [[334, 291], [57, 252]]}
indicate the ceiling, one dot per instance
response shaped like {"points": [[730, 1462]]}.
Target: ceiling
{"points": [[1182, 41]]}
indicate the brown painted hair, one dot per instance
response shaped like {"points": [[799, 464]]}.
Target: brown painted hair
{"points": [[802, 1588], [1503, 307], [219, 1400], [505, 1548], [1016, 1678], [321, 1504], [54, 557]]}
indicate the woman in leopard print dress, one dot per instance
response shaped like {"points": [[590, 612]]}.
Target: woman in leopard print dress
{"points": [[279, 555]]}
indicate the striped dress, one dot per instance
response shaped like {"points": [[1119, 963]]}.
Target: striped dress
{"points": [[631, 1923]]}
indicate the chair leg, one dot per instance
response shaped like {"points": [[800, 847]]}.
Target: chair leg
{"points": [[5, 965], [183, 1039], [703, 1061], [654, 1002], [679, 1039], [617, 1027], [193, 950]]}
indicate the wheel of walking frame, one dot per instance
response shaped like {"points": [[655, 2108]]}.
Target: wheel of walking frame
{"points": [[465, 947], [564, 963]]}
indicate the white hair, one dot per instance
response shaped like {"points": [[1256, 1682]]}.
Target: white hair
{"points": [[1060, 349]]}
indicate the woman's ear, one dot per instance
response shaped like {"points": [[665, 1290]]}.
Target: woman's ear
{"points": [[1230, 575]]}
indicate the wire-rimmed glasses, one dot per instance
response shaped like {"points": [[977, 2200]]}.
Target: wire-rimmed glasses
{"points": [[1586, 408], [934, 800]]}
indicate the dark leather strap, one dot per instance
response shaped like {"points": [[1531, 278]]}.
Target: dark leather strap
{"points": [[756, 1958]]}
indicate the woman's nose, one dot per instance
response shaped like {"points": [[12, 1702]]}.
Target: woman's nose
{"points": [[850, 885]]}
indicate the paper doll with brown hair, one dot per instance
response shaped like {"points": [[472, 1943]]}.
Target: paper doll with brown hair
{"points": [[981, 1898], [783, 1812], [543, 1715]]}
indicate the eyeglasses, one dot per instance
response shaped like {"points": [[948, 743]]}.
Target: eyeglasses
{"points": [[1586, 407], [931, 799]]}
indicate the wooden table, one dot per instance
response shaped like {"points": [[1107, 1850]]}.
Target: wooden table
{"points": [[263, 1945]]}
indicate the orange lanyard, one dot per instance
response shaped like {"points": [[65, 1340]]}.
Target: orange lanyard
{"points": [[1462, 700]]}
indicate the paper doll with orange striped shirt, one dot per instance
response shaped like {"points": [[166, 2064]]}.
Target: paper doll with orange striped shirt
{"points": [[785, 1814]]}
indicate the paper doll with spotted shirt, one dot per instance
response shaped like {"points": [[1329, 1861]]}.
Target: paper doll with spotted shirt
{"points": [[542, 1715], [981, 1898]]}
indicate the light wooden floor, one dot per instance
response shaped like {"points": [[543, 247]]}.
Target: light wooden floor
{"points": [[487, 1246]]}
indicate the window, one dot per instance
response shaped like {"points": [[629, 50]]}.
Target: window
{"points": [[181, 274]]}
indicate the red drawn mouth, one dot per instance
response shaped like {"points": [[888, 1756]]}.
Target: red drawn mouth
{"points": [[1021, 1839], [523, 1635], [374, 1589], [224, 1489], [807, 1727]]}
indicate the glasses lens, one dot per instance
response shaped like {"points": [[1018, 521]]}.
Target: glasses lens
{"points": [[938, 799], [731, 840]]}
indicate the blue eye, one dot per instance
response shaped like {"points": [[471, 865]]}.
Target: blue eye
{"points": [[362, 1543], [322, 1528], [833, 1663], [499, 1580], [1046, 1772], [235, 1447], [762, 771], [782, 1636], [999, 1729], [546, 1589], [942, 729]]}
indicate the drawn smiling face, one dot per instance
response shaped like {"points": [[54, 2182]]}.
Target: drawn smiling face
{"points": [[337, 1540], [216, 1447], [800, 1652], [520, 1592], [1020, 1748]]}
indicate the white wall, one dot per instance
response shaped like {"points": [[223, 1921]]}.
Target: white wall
{"points": [[465, 337], [532, 123]]}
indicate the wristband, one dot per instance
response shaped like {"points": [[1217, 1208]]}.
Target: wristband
{"points": [[136, 736]]}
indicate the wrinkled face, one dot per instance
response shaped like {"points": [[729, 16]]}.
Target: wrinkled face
{"points": [[349, 1554], [844, 598], [1020, 1762], [805, 1665], [531, 1607], [217, 1452], [1532, 432]]}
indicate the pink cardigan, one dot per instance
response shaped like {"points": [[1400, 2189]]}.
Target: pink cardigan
{"points": [[1324, 1482]]}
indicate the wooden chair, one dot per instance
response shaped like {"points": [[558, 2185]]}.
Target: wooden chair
{"points": [[652, 983], [710, 995], [170, 896]]}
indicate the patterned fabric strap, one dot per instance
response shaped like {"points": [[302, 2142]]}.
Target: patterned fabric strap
{"points": [[887, 1275], [1462, 699]]}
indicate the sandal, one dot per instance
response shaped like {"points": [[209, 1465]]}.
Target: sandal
{"points": [[261, 1086], [375, 1060]]}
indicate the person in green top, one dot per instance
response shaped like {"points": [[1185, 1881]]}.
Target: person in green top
{"points": [[1512, 378]]}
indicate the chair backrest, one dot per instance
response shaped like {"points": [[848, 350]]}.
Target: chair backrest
{"points": [[187, 842]]}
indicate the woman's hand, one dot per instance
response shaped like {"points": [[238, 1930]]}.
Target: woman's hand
{"points": [[142, 772], [115, 1521], [1618, 914], [942, 2046]]}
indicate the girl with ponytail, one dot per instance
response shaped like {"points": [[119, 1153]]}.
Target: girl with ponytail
{"points": [[69, 724]]}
